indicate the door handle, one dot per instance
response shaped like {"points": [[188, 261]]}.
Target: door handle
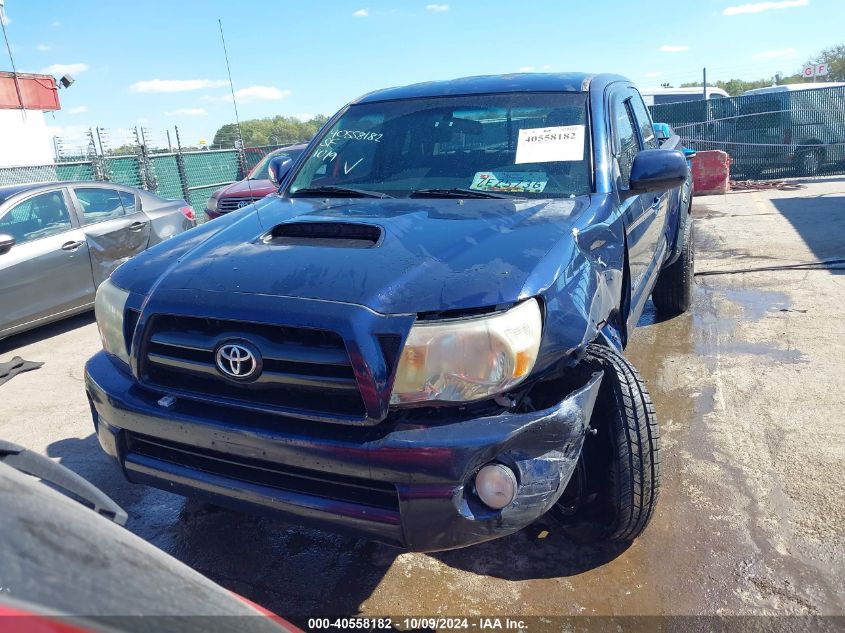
{"points": [[656, 202], [137, 226], [72, 246]]}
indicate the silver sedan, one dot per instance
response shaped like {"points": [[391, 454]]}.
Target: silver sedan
{"points": [[59, 241]]}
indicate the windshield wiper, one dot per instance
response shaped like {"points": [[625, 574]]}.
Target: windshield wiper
{"points": [[455, 193], [343, 192]]}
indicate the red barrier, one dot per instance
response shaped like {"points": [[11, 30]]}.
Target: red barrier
{"points": [[711, 172]]}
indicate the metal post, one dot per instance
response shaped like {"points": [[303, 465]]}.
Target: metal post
{"points": [[149, 171], [706, 105], [180, 167], [100, 141], [139, 151], [239, 148], [97, 165], [169, 144]]}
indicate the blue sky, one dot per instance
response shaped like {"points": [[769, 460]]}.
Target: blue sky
{"points": [[160, 64]]}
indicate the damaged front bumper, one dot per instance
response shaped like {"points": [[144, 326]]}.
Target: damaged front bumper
{"points": [[406, 484]]}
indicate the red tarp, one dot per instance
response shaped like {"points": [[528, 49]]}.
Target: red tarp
{"points": [[39, 92]]}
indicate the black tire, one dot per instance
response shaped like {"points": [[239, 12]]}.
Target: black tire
{"points": [[808, 163], [618, 476], [672, 293]]}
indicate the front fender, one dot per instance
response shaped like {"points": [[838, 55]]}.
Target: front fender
{"points": [[585, 297]]}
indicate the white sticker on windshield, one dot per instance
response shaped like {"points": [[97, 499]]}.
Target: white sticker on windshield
{"points": [[512, 181], [550, 144]]}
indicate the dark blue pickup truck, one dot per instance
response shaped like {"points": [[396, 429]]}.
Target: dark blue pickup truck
{"points": [[419, 338]]}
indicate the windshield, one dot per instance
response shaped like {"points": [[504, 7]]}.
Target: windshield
{"points": [[259, 172], [526, 145]]}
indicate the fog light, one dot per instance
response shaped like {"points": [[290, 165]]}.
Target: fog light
{"points": [[495, 485]]}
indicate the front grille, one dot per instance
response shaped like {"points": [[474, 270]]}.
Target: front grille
{"points": [[224, 205], [355, 490], [304, 370]]}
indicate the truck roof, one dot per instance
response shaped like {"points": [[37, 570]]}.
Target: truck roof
{"points": [[493, 84]]}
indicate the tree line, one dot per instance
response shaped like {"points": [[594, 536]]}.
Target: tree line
{"points": [[277, 130], [834, 57]]}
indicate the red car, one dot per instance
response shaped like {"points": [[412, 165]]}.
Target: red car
{"points": [[252, 188]]}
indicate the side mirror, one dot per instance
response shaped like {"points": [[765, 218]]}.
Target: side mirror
{"points": [[6, 243], [278, 168], [657, 170]]}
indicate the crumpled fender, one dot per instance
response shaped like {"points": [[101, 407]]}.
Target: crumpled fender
{"points": [[582, 302]]}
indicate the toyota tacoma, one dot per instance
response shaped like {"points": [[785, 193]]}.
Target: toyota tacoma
{"points": [[419, 339]]}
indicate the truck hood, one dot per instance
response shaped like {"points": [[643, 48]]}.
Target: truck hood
{"points": [[431, 254]]}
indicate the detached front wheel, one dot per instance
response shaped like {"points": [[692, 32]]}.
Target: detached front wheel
{"points": [[613, 493]]}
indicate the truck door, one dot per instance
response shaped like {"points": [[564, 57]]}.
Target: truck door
{"points": [[625, 147], [657, 202]]}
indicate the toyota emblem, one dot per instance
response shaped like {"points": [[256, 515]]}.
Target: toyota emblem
{"points": [[239, 361], [243, 203]]}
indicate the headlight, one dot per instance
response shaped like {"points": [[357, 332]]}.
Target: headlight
{"points": [[470, 359], [109, 307], [211, 204]]}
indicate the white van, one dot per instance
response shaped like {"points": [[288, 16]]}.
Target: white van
{"points": [[794, 87], [800, 127], [662, 96]]}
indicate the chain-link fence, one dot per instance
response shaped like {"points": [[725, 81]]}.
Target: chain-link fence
{"points": [[769, 135], [774, 134], [171, 172]]}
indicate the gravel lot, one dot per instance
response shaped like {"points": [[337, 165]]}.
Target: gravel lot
{"points": [[749, 390]]}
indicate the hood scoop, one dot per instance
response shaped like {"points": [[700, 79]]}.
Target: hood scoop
{"points": [[324, 234]]}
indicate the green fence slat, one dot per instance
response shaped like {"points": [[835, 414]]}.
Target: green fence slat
{"points": [[166, 172], [124, 170], [75, 171], [211, 167]]}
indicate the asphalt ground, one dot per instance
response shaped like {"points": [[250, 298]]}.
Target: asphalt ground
{"points": [[749, 391]]}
